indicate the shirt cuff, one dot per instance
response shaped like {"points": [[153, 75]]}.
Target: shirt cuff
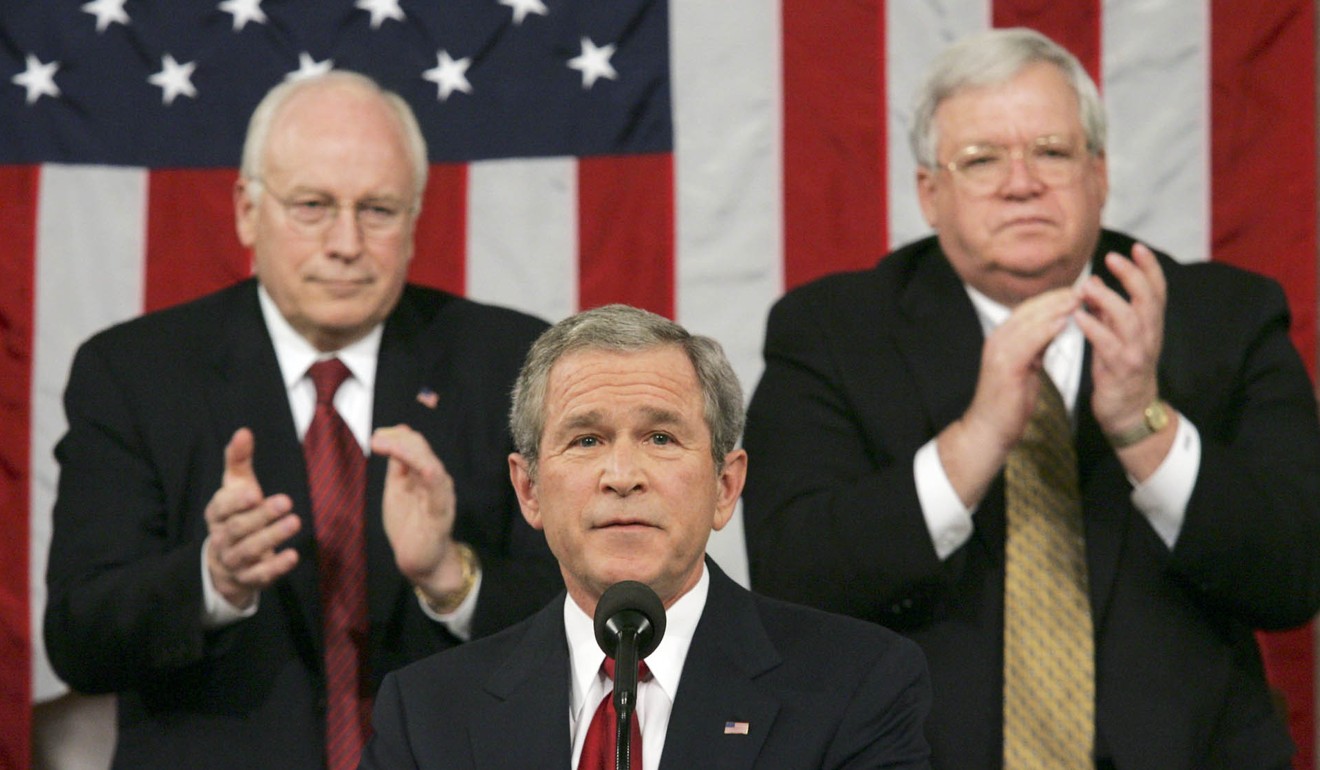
{"points": [[459, 622], [1162, 497], [216, 610], [947, 519]]}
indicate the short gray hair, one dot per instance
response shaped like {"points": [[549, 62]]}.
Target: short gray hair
{"points": [[993, 57], [268, 109], [622, 328]]}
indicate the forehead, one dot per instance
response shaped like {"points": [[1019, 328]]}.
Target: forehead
{"points": [[612, 384], [335, 135], [1038, 100]]}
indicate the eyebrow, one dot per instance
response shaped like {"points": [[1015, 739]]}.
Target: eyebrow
{"points": [[593, 418]]}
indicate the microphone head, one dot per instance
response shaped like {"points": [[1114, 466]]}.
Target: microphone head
{"points": [[629, 605]]}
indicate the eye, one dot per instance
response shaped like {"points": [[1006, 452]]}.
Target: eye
{"points": [[379, 212], [585, 442], [979, 157], [661, 439], [310, 210]]}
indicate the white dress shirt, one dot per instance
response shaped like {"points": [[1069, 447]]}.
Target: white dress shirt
{"points": [[1162, 498], [655, 698], [354, 401]]}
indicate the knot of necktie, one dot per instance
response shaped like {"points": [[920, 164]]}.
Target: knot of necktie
{"points": [[643, 672], [327, 376]]}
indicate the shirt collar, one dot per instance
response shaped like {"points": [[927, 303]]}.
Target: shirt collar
{"points": [[296, 355], [666, 663]]}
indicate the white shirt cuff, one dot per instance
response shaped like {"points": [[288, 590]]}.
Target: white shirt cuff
{"points": [[949, 521], [1163, 497], [459, 622], [216, 610]]}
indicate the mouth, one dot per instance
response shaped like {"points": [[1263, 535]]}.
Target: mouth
{"points": [[1026, 221], [341, 286], [624, 525]]}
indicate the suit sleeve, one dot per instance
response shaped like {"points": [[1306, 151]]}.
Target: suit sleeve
{"points": [[831, 509], [1250, 542], [124, 583]]}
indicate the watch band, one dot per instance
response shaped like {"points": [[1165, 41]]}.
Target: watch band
{"points": [[1153, 419]]}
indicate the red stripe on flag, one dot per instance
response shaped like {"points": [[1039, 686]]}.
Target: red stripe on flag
{"points": [[18, 228], [834, 138], [1263, 163], [1074, 25], [626, 232], [192, 246], [440, 242]]}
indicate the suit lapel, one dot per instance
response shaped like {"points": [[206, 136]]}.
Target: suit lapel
{"points": [[940, 339], [527, 724], [397, 377], [1104, 485], [730, 649], [247, 390]]}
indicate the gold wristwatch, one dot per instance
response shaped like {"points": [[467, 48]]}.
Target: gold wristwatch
{"points": [[1153, 420], [446, 604]]}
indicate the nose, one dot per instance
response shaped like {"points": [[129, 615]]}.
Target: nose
{"points": [[622, 473], [343, 236], [1022, 179]]}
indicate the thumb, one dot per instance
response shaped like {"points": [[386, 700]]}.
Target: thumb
{"points": [[238, 457]]}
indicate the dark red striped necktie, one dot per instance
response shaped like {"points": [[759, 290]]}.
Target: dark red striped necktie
{"points": [[602, 736], [336, 475]]}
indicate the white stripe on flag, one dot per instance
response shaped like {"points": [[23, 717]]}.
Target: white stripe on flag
{"points": [[522, 241], [87, 277], [1157, 90], [914, 34], [725, 62]]}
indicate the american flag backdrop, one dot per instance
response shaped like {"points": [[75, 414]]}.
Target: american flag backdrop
{"points": [[694, 157]]}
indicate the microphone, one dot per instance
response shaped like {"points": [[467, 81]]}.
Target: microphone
{"points": [[630, 622]]}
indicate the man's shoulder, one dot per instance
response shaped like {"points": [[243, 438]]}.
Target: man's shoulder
{"points": [[178, 326], [797, 628], [470, 664], [432, 303], [891, 270]]}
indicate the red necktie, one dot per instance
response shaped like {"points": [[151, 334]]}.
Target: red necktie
{"points": [[602, 736], [336, 474]]}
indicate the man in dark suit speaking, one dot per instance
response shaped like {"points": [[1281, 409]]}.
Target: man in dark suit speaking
{"points": [[626, 428], [225, 557], [1078, 473]]}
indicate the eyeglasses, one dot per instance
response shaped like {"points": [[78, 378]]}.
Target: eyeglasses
{"points": [[984, 168], [313, 212]]}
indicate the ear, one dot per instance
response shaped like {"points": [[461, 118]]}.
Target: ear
{"points": [[245, 213], [731, 480], [524, 486], [927, 187], [1102, 175]]}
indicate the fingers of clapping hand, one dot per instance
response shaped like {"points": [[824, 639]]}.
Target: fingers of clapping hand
{"points": [[246, 528], [1125, 335], [410, 456], [1011, 360]]}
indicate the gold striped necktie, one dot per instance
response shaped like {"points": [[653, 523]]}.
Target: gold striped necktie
{"points": [[1049, 647]]}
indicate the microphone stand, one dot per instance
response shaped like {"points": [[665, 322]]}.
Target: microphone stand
{"points": [[625, 696]]}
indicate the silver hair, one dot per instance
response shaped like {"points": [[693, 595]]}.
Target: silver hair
{"points": [[268, 109], [991, 58], [622, 328]]}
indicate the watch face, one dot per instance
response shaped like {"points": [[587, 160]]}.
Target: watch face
{"points": [[1157, 416]]}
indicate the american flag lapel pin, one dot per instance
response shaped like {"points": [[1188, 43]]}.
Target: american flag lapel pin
{"points": [[428, 398], [736, 728]]}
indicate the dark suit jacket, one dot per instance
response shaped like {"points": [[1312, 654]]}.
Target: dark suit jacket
{"points": [[151, 404], [817, 691], [863, 368]]}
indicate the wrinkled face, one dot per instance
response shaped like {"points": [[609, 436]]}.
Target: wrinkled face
{"points": [[1024, 236], [626, 488], [337, 280]]}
